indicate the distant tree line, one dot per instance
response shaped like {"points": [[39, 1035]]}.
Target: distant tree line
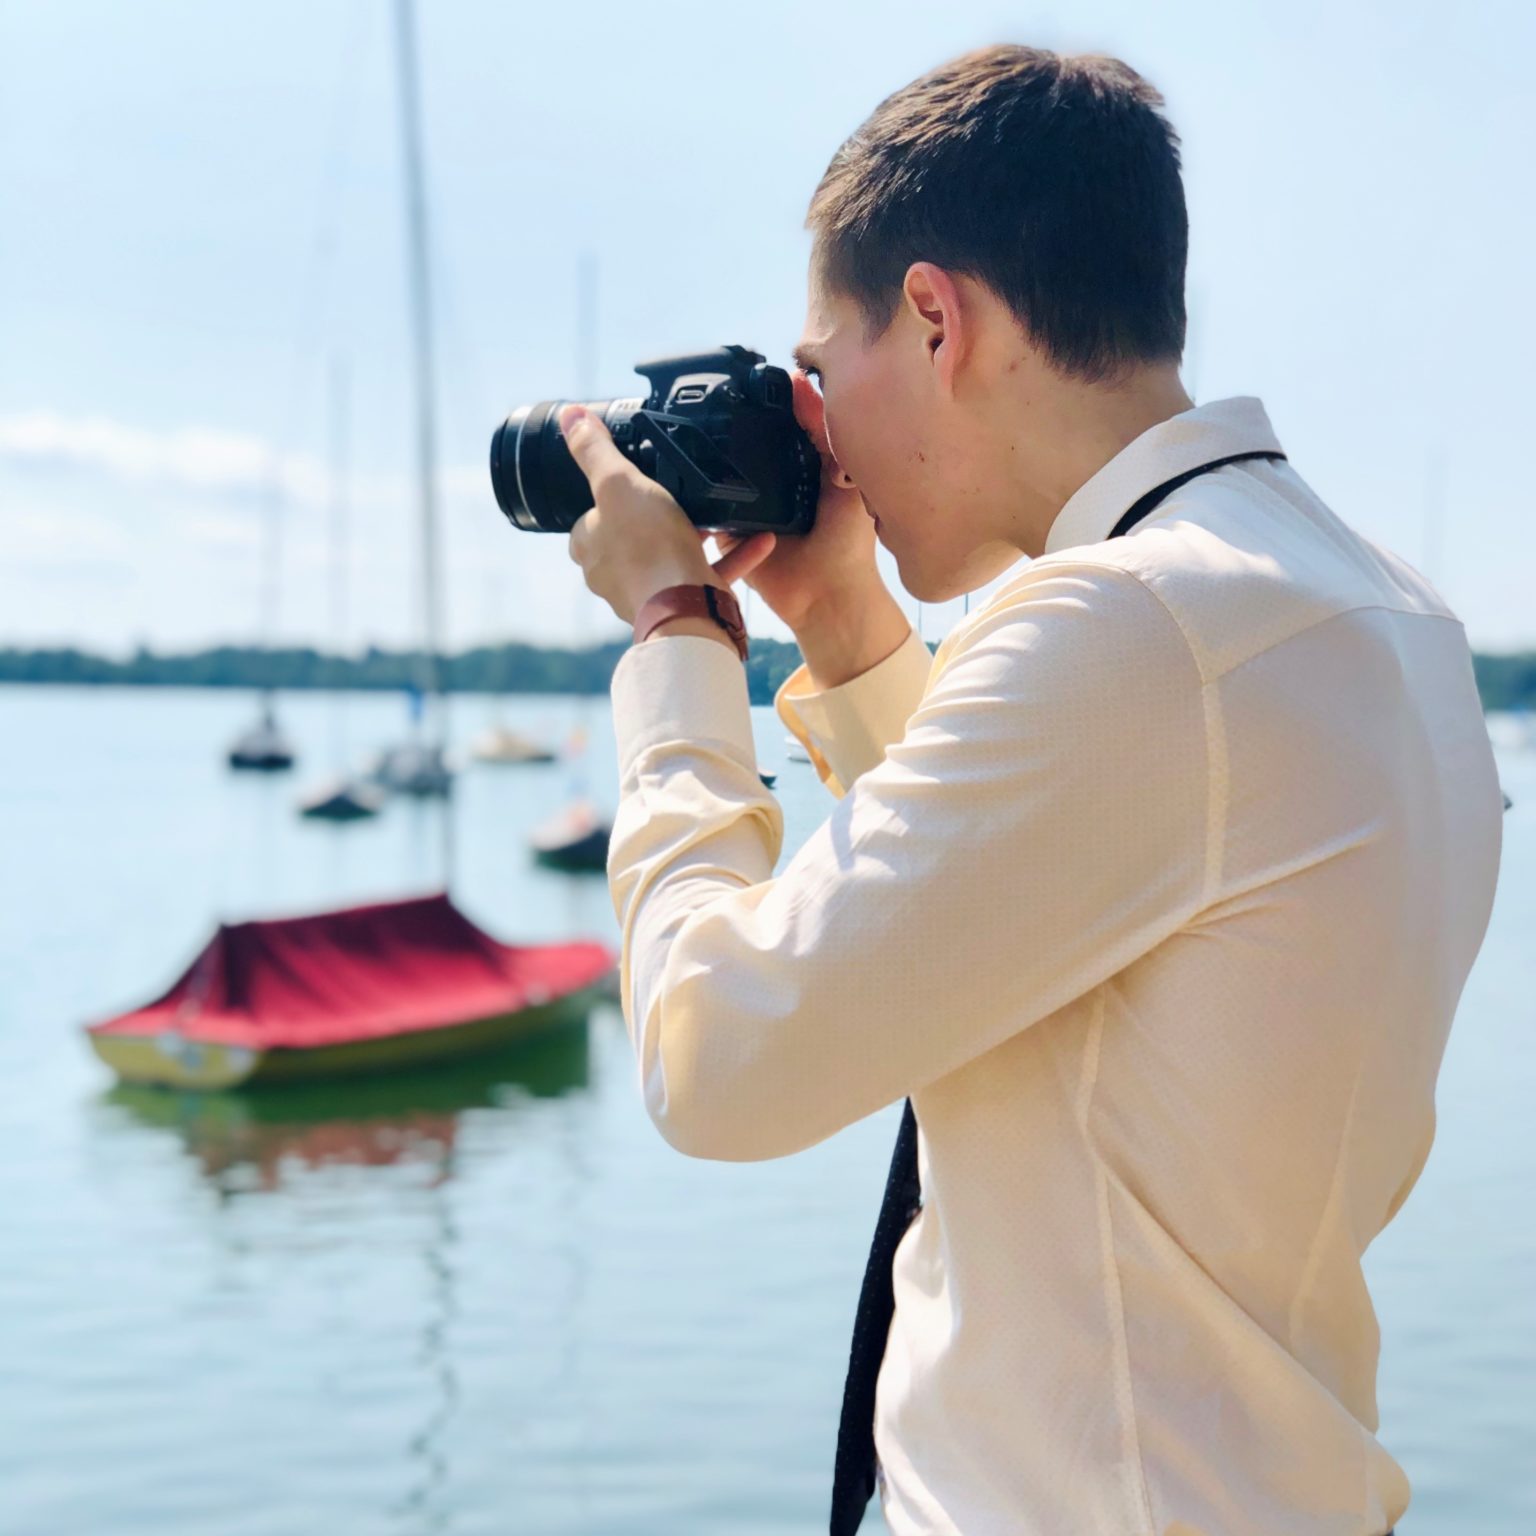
{"points": [[510, 668], [1505, 681]]}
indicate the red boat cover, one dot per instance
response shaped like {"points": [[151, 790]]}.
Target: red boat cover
{"points": [[358, 974]]}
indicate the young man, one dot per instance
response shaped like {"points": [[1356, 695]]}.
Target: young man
{"points": [[1154, 890]]}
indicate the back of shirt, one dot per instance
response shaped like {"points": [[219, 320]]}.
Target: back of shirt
{"points": [[1242, 1109], [1361, 819]]}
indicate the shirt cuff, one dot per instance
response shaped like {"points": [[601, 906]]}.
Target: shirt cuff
{"points": [[847, 729], [680, 688]]}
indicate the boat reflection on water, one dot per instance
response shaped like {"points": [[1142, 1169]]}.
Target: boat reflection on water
{"points": [[256, 1143], [251, 1140]]}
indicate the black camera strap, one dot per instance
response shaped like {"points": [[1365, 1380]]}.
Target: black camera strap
{"points": [[1144, 505]]}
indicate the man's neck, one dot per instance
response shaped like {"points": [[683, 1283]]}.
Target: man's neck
{"points": [[1076, 430]]}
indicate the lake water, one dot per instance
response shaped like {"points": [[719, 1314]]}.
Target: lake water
{"points": [[491, 1299]]}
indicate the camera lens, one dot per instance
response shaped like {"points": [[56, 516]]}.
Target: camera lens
{"points": [[538, 485], [537, 482], [504, 474]]}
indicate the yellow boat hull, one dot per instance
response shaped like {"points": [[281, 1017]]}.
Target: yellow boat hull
{"points": [[173, 1061]]}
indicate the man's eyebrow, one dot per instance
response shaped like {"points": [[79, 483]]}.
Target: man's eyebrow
{"points": [[806, 359]]}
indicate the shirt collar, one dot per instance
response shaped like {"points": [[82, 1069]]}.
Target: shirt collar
{"points": [[1183, 442]]}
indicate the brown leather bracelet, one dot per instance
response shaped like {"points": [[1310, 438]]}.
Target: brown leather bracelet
{"points": [[694, 600]]}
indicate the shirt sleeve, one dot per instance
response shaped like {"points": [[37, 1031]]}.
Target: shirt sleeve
{"points": [[846, 729], [1044, 819]]}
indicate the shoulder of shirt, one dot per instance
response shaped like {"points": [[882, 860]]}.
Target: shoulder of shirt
{"points": [[1093, 608], [1239, 569]]}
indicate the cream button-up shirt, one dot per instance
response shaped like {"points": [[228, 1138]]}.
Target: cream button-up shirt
{"points": [[1155, 889]]}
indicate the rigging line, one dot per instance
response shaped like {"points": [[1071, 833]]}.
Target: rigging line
{"points": [[582, 616], [340, 425], [426, 425], [421, 332], [271, 553], [315, 281], [458, 340], [316, 288], [463, 384]]}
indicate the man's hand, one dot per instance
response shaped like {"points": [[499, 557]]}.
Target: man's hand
{"points": [[832, 568], [636, 539]]}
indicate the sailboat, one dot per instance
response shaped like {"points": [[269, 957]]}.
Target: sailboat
{"points": [[342, 798], [420, 766], [264, 748], [576, 838], [416, 767]]}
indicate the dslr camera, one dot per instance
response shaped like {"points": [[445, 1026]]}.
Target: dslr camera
{"points": [[717, 430]]}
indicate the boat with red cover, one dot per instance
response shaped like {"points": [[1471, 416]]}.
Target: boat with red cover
{"points": [[363, 989]]}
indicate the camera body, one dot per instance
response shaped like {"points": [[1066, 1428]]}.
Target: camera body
{"points": [[717, 430]]}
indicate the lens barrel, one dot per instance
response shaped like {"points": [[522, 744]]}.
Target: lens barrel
{"points": [[716, 431]]}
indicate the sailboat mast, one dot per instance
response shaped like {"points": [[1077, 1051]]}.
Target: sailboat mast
{"points": [[339, 513], [271, 566], [426, 425]]}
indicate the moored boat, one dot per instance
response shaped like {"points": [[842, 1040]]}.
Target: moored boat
{"points": [[500, 744], [263, 748], [343, 799], [414, 768], [575, 839], [359, 990]]}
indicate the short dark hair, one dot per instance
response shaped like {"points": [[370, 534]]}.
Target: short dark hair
{"points": [[1052, 179]]}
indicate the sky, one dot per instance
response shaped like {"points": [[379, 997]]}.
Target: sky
{"points": [[203, 309]]}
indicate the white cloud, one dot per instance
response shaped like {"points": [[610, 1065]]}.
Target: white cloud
{"points": [[198, 459]]}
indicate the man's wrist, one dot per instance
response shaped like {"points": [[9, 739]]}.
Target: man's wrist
{"points": [[843, 637], [645, 587]]}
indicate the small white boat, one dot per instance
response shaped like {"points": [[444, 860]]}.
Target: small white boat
{"points": [[501, 745], [795, 750]]}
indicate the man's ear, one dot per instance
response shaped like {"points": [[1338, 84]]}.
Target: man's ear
{"points": [[933, 301]]}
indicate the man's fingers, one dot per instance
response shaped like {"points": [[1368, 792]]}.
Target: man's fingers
{"points": [[592, 447], [743, 558]]}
